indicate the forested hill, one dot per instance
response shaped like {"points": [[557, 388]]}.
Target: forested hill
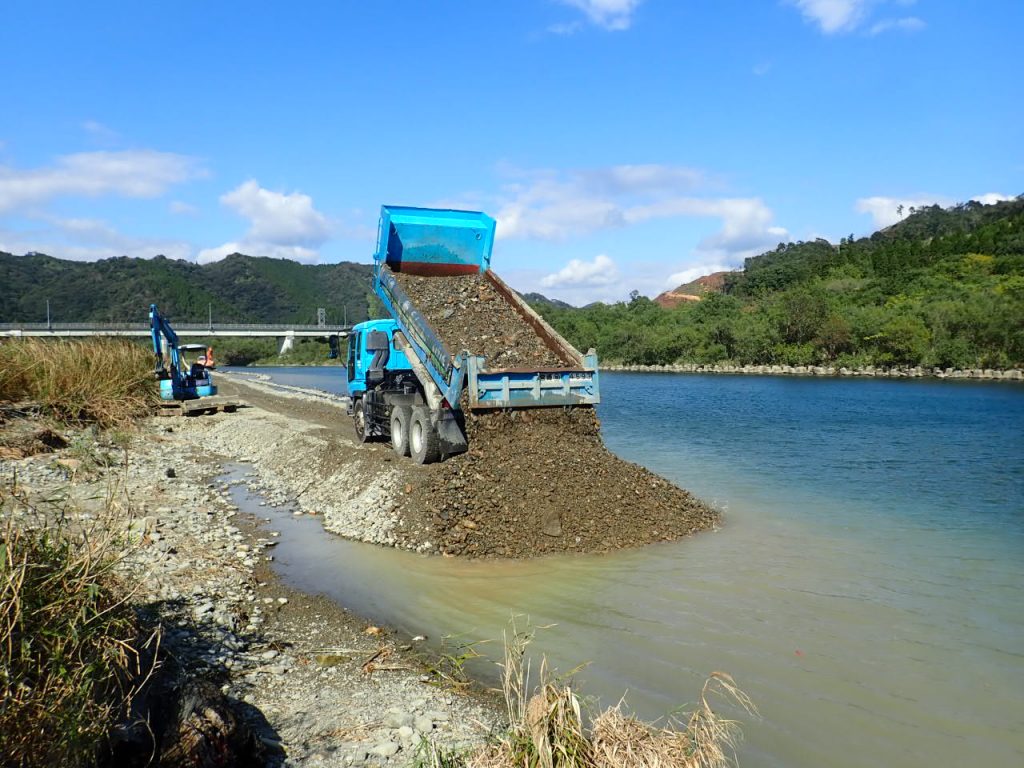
{"points": [[943, 287], [237, 289]]}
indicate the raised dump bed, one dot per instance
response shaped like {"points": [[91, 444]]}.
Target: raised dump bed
{"points": [[410, 375], [425, 259]]}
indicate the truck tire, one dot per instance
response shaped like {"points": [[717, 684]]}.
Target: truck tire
{"points": [[401, 415], [359, 420], [424, 444]]}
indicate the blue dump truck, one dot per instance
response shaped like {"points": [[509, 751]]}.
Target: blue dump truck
{"points": [[405, 385]]}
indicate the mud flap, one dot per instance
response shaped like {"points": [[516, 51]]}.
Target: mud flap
{"points": [[451, 436]]}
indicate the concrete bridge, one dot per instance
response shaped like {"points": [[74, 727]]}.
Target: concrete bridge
{"points": [[286, 332]]}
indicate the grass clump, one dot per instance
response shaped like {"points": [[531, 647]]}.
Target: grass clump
{"points": [[547, 728], [70, 657], [107, 382]]}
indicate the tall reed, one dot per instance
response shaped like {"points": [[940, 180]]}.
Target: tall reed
{"points": [[72, 653], [107, 382]]}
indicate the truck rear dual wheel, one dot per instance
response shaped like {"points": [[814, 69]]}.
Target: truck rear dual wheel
{"points": [[401, 415], [424, 444]]}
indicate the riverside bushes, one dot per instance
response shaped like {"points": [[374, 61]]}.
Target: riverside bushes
{"points": [[68, 642], [107, 382]]}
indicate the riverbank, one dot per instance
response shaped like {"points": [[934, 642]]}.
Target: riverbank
{"points": [[896, 372], [510, 499], [293, 678], [315, 684]]}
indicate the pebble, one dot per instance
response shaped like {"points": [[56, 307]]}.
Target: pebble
{"points": [[398, 719], [386, 749]]}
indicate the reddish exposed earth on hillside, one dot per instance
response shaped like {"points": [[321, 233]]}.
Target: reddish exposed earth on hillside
{"points": [[692, 291]]}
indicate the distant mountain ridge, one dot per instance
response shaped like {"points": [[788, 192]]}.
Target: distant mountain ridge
{"points": [[239, 288]]}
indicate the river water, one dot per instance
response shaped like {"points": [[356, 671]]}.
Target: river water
{"points": [[866, 588]]}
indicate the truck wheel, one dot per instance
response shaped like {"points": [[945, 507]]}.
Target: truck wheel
{"points": [[401, 415], [359, 419], [424, 445]]}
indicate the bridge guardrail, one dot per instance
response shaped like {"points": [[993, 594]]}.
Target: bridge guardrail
{"points": [[215, 327]]}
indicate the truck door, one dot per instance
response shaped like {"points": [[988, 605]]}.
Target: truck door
{"points": [[353, 354]]}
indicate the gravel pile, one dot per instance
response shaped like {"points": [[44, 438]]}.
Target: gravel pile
{"points": [[468, 313], [541, 481], [534, 481]]}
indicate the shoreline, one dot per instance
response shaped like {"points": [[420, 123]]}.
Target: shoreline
{"points": [[314, 683], [894, 372], [870, 371]]}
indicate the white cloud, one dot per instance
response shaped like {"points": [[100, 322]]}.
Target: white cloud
{"points": [[612, 15], [556, 206], [129, 173], [908, 24], [991, 198], [838, 16], [285, 226], [553, 207], [250, 248], [692, 273], [578, 273], [277, 217], [833, 15], [85, 239], [885, 211]]}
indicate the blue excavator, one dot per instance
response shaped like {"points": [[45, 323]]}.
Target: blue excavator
{"points": [[178, 379]]}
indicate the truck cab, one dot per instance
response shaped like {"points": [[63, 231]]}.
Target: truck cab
{"points": [[361, 357], [388, 400]]}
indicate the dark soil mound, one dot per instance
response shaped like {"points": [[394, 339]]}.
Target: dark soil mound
{"points": [[468, 313], [534, 481], [541, 481]]}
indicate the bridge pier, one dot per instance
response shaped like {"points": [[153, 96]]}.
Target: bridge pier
{"points": [[287, 343]]}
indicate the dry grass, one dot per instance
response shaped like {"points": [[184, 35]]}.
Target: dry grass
{"points": [[71, 654], [107, 382], [706, 740], [547, 729]]}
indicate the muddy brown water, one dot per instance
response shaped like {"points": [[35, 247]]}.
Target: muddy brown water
{"points": [[873, 624]]}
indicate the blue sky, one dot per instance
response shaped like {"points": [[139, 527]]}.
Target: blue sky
{"points": [[621, 144]]}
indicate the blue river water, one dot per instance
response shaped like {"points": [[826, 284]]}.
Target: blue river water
{"points": [[866, 587]]}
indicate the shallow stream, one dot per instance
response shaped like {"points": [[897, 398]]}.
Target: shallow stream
{"points": [[866, 589]]}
